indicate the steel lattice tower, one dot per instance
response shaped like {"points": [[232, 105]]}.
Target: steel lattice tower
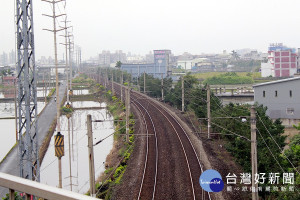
{"points": [[27, 92]]}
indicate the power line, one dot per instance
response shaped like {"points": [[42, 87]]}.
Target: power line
{"points": [[278, 145]]}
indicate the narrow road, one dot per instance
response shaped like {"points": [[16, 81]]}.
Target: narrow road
{"points": [[10, 164]]}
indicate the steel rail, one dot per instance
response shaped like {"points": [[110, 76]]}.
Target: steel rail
{"points": [[182, 146], [198, 160], [138, 104]]}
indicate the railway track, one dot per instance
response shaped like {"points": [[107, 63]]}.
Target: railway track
{"points": [[171, 166]]}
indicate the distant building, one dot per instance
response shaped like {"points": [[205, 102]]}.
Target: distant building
{"points": [[8, 80], [161, 65], [282, 61], [185, 64], [282, 99], [104, 58], [138, 69], [196, 64], [162, 61], [4, 59], [267, 69]]}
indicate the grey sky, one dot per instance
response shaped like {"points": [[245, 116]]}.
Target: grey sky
{"points": [[139, 26]]}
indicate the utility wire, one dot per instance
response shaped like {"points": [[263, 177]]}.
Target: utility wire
{"points": [[278, 145]]}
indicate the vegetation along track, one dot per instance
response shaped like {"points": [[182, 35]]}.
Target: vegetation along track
{"points": [[178, 167]]}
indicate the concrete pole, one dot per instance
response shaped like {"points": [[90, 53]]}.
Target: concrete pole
{"points": [[253, 152], [105, 79], [112, 83], [127, 112], [56, 70], [121, 86], [59, 173], [208, 112], [91, 156], [68, 95], [182, 94], [70, 62], [66, 45], [70, 164], [144, 82], [162, 87]]}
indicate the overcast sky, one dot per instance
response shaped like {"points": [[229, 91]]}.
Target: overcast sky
{"points": [[138, 26]]}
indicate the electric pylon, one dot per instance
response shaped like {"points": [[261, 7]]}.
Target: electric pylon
{"points": [[27, 93]]}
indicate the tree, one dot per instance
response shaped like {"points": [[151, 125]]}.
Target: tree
{"points": [[118, 65], [174, 96]]}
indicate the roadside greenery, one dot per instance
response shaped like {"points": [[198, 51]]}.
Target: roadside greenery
{"points": [[65, 110], [114, 174], [206, 75], [153, 85], [17, 196], [247, 65], [51, 93], [82, 78], [229, 78]]}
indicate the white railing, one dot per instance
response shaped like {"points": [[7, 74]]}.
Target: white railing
{"points": [[14, 183]]}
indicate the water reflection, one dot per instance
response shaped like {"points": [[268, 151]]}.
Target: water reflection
{"points": [[80, 92], [79, 151], [8, 128]]}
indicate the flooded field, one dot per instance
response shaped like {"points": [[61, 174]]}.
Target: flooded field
{"points": [[8, 127], [75, 139], [80, 92], [78, 148], [10, 93]]}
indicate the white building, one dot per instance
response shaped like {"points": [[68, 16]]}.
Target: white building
{"points": [[267, 70]]}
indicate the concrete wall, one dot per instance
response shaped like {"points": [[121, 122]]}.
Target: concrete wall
{"points": [[280, 104]]}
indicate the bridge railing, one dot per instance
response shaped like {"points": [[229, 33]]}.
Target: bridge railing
{"points": [[14, 183]]}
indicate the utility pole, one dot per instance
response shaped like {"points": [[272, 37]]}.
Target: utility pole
{"points": [[162, 87], [66, 52], [253, 152], [121, 86], [127, 111], [54, 16], [70, 62], [182, 93], [144, 82], [208, 112], [27, 126], [105, 79], [112, 83], [91, 156], [70, 164]]}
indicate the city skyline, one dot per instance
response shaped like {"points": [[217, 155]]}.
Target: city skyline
{"points": [[138, 27]]}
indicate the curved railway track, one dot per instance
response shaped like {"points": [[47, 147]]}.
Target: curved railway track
{"points": [[148, 183], [172, 167]]}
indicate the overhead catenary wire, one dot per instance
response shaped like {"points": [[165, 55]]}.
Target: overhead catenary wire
{"points": [[278, 145], [248, 125]]}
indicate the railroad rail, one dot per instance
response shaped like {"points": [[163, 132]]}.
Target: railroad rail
{"points": [[178, 167]]}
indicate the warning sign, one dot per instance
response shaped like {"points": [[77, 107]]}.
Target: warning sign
{"points": [[59, 145]]}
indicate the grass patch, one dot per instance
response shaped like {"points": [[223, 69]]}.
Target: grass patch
{"points": [[207, 75], [115, 174]]}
